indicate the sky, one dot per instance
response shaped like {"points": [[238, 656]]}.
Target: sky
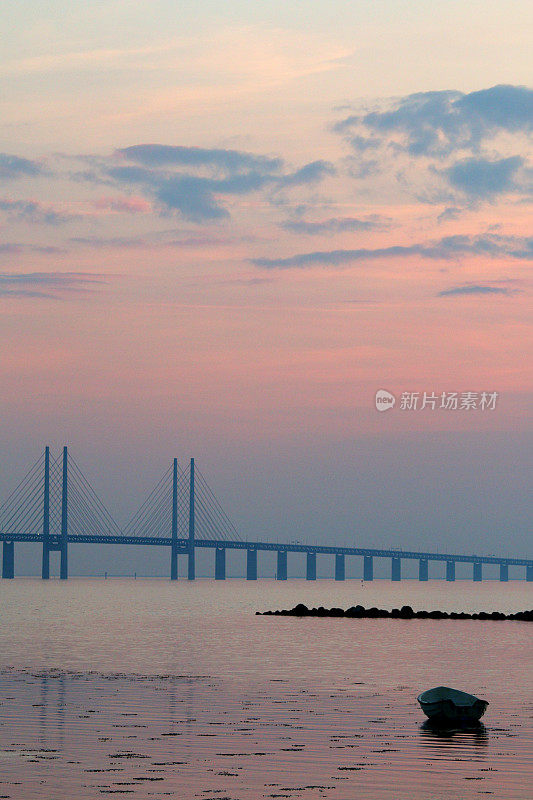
{"points": [[224, 227]]}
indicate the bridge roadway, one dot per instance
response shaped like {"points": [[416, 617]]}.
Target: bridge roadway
{"points": [[183, 546]]}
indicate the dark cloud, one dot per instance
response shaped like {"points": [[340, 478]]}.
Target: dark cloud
{"points": [[50, 285], [199, 197], [18, 247], [155, 239], [437, 124], [482, 178], [193, 197], [364, 168], [310, 173], [446, 248], [162, 155], [449, 214], [508, 108], [472, 288], [103, 243], [363, 143], [33, 211], [126, 205], [337, 225], [16, 167]]}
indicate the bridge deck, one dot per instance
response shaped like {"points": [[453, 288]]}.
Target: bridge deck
{"points": [[183, 544]]}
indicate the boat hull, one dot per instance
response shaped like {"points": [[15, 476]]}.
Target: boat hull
{"points": [[451, 706]]}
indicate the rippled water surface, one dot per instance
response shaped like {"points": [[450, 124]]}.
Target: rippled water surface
{"points": [[152, 690]]}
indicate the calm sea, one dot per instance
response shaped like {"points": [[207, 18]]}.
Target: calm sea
{"points": [[150, 689]]}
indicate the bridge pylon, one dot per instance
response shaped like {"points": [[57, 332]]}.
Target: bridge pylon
{"points": [[45, 567], [174, 524], [191, 572], [63, 541]]}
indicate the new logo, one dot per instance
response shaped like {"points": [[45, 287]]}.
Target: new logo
{"points": [[384, 400]]}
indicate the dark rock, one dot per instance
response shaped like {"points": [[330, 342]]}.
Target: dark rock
{"points": [[406, 612], [300, 610], [355, 612]]}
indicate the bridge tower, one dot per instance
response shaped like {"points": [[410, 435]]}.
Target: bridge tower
{"points": [[174, 524], [63, 540], [191, 569], [45, 567]]}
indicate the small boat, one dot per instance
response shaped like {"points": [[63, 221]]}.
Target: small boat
{"points": [[451, 705]]}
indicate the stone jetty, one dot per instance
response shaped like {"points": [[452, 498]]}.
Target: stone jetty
{"points": [[405, 612]]}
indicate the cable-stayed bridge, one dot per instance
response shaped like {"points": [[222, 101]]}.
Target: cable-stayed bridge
{"points": [[56, 506]]}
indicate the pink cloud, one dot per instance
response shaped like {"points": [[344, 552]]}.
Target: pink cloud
{"points": [[123, 205]]}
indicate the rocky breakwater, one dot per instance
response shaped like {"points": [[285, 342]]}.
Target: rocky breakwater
{"points": [[405, 612]]}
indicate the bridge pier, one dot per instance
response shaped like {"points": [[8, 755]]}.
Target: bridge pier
{"points": [[281, 572], [478, 571], [396, 568], [450, 570], [422, 569], [8, 560], [251, 564], [340, 571], [173, 562], [529, 573], [368, 568], [504, 573], [310, 572], [45, 562], [191, 564], [220, 564]]}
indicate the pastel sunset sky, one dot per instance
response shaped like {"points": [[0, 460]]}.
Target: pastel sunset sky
{"points": [[224, 226]]}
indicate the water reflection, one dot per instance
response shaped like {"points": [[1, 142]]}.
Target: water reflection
{"points": [[475, 733], [52, 709]]}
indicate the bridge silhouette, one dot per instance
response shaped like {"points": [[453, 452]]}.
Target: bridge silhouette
{"points": [[56, 506]]}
